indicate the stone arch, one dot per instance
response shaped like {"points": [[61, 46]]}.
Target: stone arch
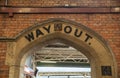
{"points": [[68, 32]]}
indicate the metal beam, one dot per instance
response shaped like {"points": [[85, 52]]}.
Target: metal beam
{"points": [[83, 65], [59, 10], [60, 55], [64, 73]]}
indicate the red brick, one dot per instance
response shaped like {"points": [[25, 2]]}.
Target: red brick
{"points": [[49, 3], [106, 25]]}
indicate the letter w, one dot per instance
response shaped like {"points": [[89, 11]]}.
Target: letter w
{"points": [[30, 37]]}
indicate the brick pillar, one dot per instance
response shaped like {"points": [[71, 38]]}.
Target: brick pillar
{"points": [[4, 71]]}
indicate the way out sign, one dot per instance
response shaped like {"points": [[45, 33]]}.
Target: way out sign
{"points": [[59, 27]]}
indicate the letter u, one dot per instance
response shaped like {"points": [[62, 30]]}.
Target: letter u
{"points": [[78, 34]]}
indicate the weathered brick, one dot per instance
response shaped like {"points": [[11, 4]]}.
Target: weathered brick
{"points": [[106, 25], [51, 3], [4, 71]]}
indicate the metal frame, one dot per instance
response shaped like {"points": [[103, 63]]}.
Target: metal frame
{"points": [[60, 55], [63, 73], [58, 10]]}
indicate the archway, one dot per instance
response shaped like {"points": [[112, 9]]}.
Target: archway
{"points": [[76, 35], [59, 58]]}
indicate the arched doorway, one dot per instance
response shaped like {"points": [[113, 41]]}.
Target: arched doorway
{"points": [[76, 35], [56, 60]]}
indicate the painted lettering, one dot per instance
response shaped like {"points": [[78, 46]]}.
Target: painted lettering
{"points": [[58, 27], [47, 29], [39, 32], [88, 37], [30, 36], [78, 34], [68, 29]]}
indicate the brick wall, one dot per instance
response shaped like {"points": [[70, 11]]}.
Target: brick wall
{"points": [[51, 3], [4, 70], [107, 25]]}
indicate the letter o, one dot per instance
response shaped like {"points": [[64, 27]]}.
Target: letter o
{"points": [[67, 29]]}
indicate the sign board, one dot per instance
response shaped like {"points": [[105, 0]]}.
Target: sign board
{"points": [[106, 71]]}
